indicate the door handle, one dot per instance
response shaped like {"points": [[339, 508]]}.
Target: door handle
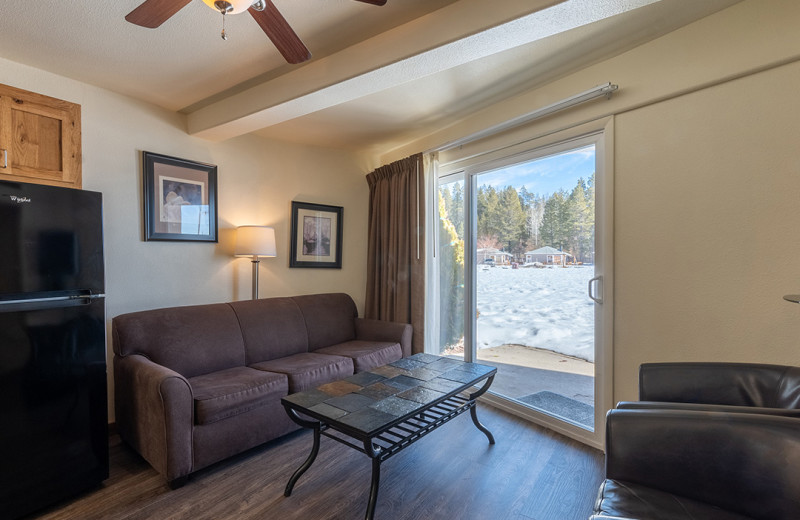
{"points": [[591, 294], [5, 158]]}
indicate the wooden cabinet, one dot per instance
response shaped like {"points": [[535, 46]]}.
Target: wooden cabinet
{"points": [[40, 139]]}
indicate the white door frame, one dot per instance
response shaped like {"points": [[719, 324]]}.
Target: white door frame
{"points": [[601, 134]]}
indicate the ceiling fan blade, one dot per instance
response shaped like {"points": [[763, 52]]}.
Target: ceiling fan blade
{"points": [[280, 32], [373, 2], [153, 13]]}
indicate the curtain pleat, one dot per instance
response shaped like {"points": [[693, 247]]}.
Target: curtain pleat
{"points": [[396, 246]]}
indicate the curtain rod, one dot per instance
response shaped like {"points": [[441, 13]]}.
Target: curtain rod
{"points": [[599, 91]]}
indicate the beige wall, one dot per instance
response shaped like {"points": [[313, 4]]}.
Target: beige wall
{"points": [[707, 192], [707, 185], [257, 180]]}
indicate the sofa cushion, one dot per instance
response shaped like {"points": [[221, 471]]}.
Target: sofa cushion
{"points": [[625, 500], [272, 328], [330, 318], [192, 340], [309, 369], [233, 391], [366, 355]]}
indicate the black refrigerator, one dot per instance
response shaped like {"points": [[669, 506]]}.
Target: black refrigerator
{"points": [[53, 405]]}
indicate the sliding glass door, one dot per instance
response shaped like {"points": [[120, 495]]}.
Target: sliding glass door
{"points": [[519, 281]]}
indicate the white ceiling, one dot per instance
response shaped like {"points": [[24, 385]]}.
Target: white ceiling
{"points": [[381, 76]]}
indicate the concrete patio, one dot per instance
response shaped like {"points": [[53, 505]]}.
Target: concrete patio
{"points": [[533, 375]]}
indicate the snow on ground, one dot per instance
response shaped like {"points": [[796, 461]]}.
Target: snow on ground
{"points": [[544, 308]]}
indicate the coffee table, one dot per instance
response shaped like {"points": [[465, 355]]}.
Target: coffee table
{"points": [[386, 409]]}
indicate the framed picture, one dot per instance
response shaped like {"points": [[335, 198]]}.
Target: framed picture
{"points": [[180, 199], [316, 235]]}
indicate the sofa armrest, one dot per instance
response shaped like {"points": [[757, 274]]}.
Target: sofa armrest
{"points": [[744, 463], [702, 407], [154, 413], [379, 330], [736, 384]]}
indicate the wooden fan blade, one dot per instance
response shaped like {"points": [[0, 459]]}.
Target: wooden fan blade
{"points": [[153, 13], [373, 2], [280, 32]]}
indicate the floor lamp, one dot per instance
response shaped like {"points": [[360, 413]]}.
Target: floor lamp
{"points": [[255, 242]]}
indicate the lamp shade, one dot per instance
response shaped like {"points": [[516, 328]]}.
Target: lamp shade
{"points": [[255, 241]]}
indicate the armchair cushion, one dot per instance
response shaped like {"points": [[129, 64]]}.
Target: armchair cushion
{"points": [[233, 391], [746, 464], [619, 500]]}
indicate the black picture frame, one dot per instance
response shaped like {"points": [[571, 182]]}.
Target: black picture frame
{"points": [[316, 239], [180, 199]]}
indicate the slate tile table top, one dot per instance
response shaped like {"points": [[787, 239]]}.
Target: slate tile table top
{"points": [[382, 411]]}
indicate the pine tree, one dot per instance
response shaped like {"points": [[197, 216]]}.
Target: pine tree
{"points": [[488, 212], [511, 217], [554, 229], [582, 222]]}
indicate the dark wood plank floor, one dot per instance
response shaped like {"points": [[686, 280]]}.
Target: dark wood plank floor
{"points": [[453, 473]]}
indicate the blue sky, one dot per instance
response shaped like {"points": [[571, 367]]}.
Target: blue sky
{"points": [[545, 175]]}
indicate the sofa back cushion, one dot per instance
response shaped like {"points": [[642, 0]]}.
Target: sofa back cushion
{"points": [[192, 340], [272, 328], [330, 318]]}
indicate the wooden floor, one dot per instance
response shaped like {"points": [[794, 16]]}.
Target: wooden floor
{"points": [[453, 473]]}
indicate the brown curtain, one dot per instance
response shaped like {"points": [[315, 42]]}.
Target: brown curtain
{"points": [[396, 247]]}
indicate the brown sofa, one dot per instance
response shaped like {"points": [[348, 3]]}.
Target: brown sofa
{"points": [[195, 385]]}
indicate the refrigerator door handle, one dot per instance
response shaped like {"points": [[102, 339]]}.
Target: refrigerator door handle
{"points": [[40, 300], [87, 297]]}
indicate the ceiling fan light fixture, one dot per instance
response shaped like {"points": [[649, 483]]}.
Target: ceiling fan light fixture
{"points": [[229, 6]]}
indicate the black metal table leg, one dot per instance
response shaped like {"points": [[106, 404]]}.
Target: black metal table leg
{"points": [[374, 454], [311, 456], [473, 410], [373, 490]]}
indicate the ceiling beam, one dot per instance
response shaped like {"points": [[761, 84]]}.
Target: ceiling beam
{"points": [[456, 34]]}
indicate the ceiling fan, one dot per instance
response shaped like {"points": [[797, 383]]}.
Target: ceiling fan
{"points": [[152, 13]]}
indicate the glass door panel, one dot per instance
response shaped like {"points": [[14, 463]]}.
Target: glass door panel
{"points": [[534, 259], [451, 267]]}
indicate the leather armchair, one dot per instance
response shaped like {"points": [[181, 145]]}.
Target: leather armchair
{"points": [[689, 464], [721, 387]]}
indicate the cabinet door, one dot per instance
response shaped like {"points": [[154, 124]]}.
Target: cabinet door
{"points": [[40, 139]]}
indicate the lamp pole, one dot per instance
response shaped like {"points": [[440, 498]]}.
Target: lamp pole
{"points": [[255, 262], [255, 242]]}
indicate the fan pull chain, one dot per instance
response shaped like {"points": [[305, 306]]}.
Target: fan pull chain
{"points": [[224, 34]]}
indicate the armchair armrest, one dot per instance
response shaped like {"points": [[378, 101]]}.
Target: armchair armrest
{"points": [[735, 384], [744, 463], [154, 413], [379, 330]]}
